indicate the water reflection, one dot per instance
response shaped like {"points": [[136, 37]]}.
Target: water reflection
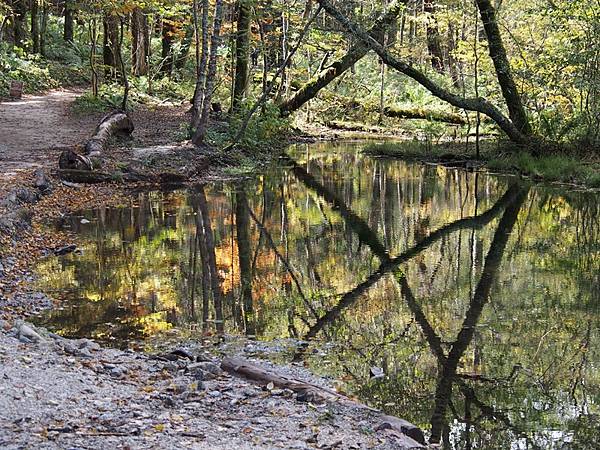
{"points": [[477, 296]]}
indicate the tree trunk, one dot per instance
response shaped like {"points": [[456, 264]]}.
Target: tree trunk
{"points": [[482, 105], [69, 22], [168, 33], [410, 435], [19, 14], [480, 298], [503, 70], [200, 133], [242, 50], [140, 42], [43, 29], [199, 92], [184, 49], [35, 26], [434, 41], [111, 41], [354, 54], [117, 122], [212, 260]]}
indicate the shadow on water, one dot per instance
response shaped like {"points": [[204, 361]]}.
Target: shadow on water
{"points": [[472, 298]]}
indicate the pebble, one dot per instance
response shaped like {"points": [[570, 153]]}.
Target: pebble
{"points": [[205, 370], [27, 332]]}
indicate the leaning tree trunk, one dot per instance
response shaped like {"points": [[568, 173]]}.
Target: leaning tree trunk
{"points": [[242, 49], [116, 123], [356, 52], [501, 64], [512, 129]]}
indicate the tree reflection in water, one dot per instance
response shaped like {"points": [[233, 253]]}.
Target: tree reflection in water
{"points": [[477, 297]]}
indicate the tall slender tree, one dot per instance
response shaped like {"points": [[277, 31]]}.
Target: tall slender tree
{"points": [[242, 52], [211, 74]]}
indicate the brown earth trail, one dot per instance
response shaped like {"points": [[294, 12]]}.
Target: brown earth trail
{"points": [[34, 129]]}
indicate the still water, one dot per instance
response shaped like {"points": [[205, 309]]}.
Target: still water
{"points": [[474, 296]]}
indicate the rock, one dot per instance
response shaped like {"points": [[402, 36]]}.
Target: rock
{"points": [[25, 331], [73, 348], [171, 366], [89, 345], [41, 181], [61, 251], [376, 372], [205, 370], [25, 195], [118, 372], [180, 353], [56, 337]]}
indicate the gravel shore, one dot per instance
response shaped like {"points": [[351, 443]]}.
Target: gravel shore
{"points": [[57, 393]]}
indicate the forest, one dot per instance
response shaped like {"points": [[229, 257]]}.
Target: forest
{"points": [[529, 70], [329, 224]]}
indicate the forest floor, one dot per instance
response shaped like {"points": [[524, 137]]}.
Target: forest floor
{"points": [[58, 393]]}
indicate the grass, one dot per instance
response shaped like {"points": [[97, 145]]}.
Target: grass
{"points": [[552, 168]]}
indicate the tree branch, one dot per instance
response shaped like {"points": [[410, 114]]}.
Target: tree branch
{"points": [[471, 104]]}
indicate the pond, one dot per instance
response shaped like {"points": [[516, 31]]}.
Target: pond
{"points": [[463, 302]]}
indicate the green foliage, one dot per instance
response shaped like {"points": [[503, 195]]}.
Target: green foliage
{"points": [[413, 149], [87, 103], [264, 130], [561, 168], [38, 74]]}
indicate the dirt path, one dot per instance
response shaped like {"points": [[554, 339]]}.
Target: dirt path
{"points": [[34, 129]]}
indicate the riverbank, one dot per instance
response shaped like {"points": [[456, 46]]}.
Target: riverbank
{"points": [[60, 393], [571, 170]]}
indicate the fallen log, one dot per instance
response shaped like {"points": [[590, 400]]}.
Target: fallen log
{"points": [[70, 160], [425, 114], [355, 126], [411, 435], [115, 123]]}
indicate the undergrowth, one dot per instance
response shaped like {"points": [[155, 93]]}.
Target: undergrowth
{"points": [[37, 73], [561, 168]]}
